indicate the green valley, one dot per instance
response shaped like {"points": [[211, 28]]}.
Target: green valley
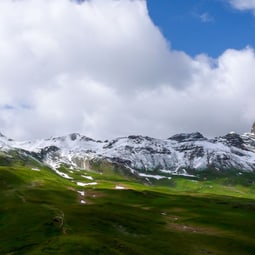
{"points": [[108, 213]]}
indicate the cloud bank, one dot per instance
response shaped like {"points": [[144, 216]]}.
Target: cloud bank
{"points": [[102, 68], [243, 4]]}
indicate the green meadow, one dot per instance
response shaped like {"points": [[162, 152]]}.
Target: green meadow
{"points": [[42, 213]]}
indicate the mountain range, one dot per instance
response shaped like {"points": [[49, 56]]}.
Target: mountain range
{"points": [[138, 195], [143, 156]]}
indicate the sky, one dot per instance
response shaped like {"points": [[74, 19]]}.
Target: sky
{"points": [[204, 26], [109, 68]]}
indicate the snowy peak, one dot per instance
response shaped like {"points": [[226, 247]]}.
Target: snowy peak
{"points": [[74, 137], [132, 140], [4, 143], [71, 142], [4, 138]]}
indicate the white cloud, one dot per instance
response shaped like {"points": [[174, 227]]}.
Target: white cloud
{"points": [[102, 68], [206, 17], [243, 4]]}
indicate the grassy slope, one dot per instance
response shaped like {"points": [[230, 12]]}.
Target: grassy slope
{"points": [[41, 213]]}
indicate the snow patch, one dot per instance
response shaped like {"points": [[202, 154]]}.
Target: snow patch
{"points": [[166, 171], [158, 177], [87, 177], [66, 176], [119, 187], [86, 184], [35, 169], [82, 193]]}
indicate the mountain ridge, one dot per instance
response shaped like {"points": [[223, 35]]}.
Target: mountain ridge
{"points": [[179, 154]]}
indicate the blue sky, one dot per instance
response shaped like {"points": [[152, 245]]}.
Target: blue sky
{"points": [[203, 26]]}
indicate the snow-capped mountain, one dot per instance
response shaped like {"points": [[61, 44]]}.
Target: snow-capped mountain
{"points": [[177, 154]]}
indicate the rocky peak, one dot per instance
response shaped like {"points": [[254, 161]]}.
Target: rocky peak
{"points": [[253, 128], [77, 136], [233, 139], [74, 136], [183, 137], [3, 137], [139, 139]]}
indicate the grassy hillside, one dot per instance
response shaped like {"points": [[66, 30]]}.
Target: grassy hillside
{"points": [[43, 213]]}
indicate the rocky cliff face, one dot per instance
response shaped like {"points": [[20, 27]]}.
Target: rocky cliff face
{"points": [[178, 154]]}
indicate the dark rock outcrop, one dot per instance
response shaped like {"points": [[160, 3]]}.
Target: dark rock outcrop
{"points": [[188, 137]]}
